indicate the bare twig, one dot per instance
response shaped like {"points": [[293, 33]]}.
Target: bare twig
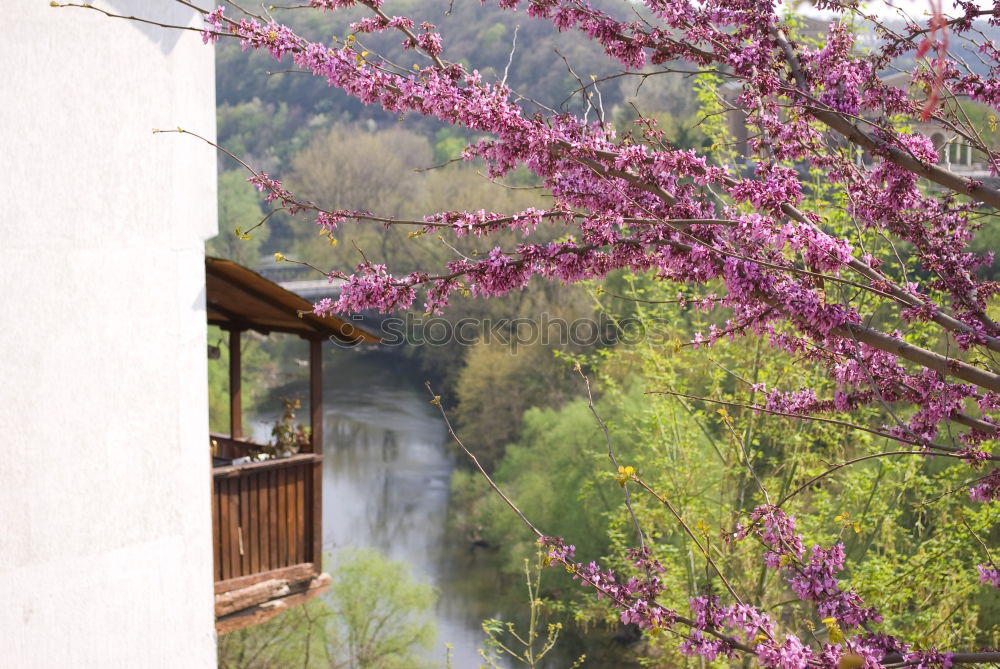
{"points": [[611, 454], [436, 400], [817, 419], [510, 59]]}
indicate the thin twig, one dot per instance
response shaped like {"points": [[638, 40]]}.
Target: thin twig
{"points": [[818, 419], [611, 455], [436, 399], [703, 550], [510, 59], [834, 468]]}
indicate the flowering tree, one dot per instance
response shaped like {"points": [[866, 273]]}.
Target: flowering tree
{"points": [[868, 276]]}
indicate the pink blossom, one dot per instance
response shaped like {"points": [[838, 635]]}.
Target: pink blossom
{"points": [[988, 574]]}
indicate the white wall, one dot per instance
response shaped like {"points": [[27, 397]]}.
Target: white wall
{"points": [[105, 533]]}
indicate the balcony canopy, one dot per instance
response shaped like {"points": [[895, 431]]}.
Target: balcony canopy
{"points": [[237, 298]]}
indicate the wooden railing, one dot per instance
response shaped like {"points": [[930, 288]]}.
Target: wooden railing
{"points": [[227, 447], [265, 515]]}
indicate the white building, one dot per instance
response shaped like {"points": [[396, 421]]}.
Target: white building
{"points": [[105, 537]]}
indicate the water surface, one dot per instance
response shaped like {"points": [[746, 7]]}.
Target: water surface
{"points": [[386, 483]]}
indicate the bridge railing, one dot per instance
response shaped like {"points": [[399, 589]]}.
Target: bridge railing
{"points": [[279, 273]]}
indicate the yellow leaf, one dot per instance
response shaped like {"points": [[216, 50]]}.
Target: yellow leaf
{"points": [[278, 257], [624, 474], [834, 633]]}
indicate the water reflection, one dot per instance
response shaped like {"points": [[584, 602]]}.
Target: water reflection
{"points": [[386, 479]]}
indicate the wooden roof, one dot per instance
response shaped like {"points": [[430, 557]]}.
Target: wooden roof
{"points": [[239, 298]]}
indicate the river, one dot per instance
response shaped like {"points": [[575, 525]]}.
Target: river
{"points": [[386, 483]]}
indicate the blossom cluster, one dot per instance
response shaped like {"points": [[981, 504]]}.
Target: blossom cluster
{"points": [[715, 630]]}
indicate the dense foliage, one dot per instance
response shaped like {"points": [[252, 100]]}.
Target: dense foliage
{"points": [[903, 535]]}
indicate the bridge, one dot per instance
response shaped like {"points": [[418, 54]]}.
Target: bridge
{"points": [[294, 279]]}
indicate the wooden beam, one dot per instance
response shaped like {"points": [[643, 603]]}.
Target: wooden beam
{"points": [[270, 609], [254, 595], [293, 574], [233, 321], [311, 320], [316, 394], [231, 448], [235, 386], [315, 482], [234, 471]]}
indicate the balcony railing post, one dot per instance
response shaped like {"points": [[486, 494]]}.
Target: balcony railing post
{"points": [[316, 423], [235, 386], [316, 394]]}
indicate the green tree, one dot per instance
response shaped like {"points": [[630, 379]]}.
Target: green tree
{"points": [[374, 616], [380, 613], [239, 207]]}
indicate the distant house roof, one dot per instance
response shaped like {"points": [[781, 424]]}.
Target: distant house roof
{"points": [[239, 298]]}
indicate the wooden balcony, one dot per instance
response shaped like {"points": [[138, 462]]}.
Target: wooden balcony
{"points": [[267, 524], [267, 535]]}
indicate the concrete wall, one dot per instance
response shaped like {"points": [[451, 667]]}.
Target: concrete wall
{"points": [[105, 534]]}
